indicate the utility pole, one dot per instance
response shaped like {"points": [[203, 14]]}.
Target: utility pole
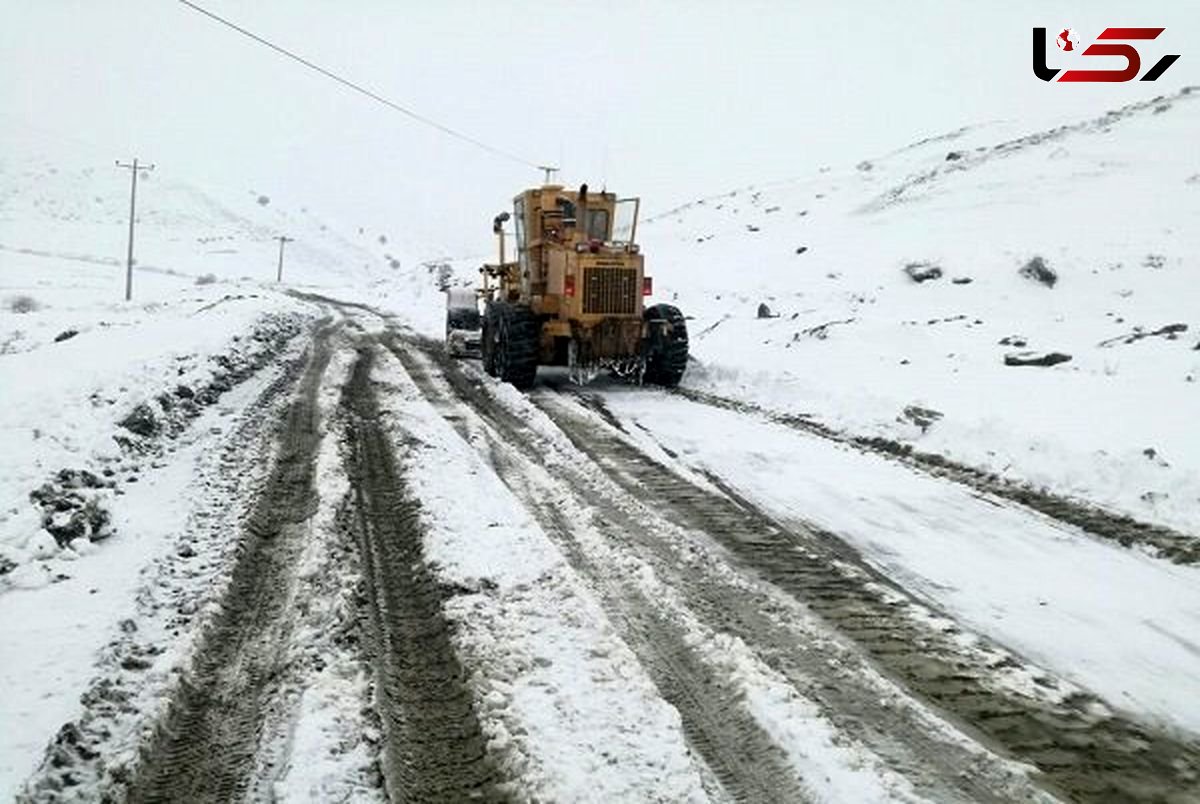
{"points": [[133, 172], [282, 240]]}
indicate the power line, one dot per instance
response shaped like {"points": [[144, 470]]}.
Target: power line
{"points": [[358, 88]]}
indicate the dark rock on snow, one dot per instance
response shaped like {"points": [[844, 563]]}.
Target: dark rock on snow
{"points": [[1037, 270], [141, 421], [922, 271], [1035, 358], [921, 417]]}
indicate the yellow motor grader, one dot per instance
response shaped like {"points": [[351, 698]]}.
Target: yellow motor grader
{"points": [[575, 295]]}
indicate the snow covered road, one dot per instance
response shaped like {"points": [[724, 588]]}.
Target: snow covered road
{"points": [[422, 584]]}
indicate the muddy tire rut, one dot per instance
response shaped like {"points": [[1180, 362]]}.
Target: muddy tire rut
{"points": [[1157, 540], [1081, 749], [747, 763], [434, 748], [205, 747]]}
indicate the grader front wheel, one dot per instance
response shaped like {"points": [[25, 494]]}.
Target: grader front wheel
{"points": [[510, 344]]}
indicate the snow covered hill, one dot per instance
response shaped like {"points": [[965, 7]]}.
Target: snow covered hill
{"points": [[1110, 206], [77, 362]]}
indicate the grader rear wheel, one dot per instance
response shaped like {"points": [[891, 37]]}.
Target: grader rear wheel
{"points": [[666, 346]]}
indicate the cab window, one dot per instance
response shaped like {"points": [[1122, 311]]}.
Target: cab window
{"points": [[597, 224]]}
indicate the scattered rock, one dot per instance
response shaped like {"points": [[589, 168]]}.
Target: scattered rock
{"points": [[765, 312], [22, 304], [1037, 270], [206, 279], [752, 228], [90, 522], [962, 280], [263, 200], [922, 271], [1035, 358], [186, 551], [921, 417], [801, 249], [79, 479], [1152, 454], [141, 421], [184, 392], [1155, 261], [821, 331], [65, 335], [128, 626], [135, 663], [1170, 332], [1013, 340], [954, 156]]}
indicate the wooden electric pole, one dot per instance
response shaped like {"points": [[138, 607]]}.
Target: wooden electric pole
{"points": [[282, 240], [133, 172]]}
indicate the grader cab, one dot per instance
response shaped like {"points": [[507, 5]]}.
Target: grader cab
{"points": [[575, 294]]}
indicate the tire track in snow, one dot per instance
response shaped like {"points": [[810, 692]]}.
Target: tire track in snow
{"points": [[205, 747], [744, 758], [1082, 749], [435, 750], [912, 742], [1157, 540]]}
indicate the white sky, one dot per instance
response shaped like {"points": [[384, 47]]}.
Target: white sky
{"points": [[668, 100]]}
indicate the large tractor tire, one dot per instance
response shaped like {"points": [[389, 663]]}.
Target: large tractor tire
{"points": [[487, 344], [666, 345], [511, 340]]}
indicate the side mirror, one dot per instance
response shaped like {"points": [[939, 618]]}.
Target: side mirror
{"points": [[498, 222]]}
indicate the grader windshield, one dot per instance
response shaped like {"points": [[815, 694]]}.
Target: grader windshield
{"points": [[625, 223]]}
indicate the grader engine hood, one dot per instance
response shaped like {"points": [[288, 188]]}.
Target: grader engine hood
{"points": [[597, 284]]}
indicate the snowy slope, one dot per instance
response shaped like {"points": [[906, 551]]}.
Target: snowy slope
{"points": [[76, 360], [1110, 204]]}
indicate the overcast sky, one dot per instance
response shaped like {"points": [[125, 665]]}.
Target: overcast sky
{"points": [[667, 100]]}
